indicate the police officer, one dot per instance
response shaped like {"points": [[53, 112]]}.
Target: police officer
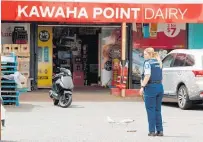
{"points": [[151, 86]]}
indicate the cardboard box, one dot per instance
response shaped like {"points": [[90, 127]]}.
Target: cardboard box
{"points": [[7, 48], [24, 48], [15, 48], [24, 64], [26, 74], [25, 82]]}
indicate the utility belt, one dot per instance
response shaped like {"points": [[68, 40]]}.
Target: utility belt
{"points": [[154, 82]]}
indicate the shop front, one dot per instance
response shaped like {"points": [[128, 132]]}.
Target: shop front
{"points": [[97, 41]]}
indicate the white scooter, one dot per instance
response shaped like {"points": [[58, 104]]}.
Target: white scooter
{"points": [[62, 88]]}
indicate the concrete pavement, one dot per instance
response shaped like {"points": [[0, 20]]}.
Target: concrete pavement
{"points": [[84, 94], [86, 122]]}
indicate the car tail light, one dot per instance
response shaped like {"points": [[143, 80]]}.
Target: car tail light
{"points": [[201, 94], [198, 73]]}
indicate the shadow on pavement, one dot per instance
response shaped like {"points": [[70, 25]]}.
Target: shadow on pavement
{"points": [[22, 108], [195, 107], [76, 106], [170, 104], [177, 136]]}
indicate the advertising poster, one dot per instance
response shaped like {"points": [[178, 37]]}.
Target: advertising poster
{"points": [[162, 37], [8, 28], [110, 51], [44, 57]]}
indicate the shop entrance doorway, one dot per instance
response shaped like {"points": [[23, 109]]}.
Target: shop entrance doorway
{"points": [[76, 48], [88, 51], [91, 68]]}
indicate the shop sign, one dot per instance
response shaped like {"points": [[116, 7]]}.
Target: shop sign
{"points": [[100, 12]]}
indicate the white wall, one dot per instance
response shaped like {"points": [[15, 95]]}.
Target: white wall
{"points": [[7, 29]]}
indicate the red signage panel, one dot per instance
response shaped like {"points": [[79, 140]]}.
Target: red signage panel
{"points": [[100, 12]]}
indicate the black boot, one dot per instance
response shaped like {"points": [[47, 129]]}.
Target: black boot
{"points": [[160, 133], [152, 134]]}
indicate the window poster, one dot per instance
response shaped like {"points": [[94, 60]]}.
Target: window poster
{"points": [[44, 57], [162, 37]]}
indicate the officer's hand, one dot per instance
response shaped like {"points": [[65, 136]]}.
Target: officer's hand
{"points": [[141, 91]]}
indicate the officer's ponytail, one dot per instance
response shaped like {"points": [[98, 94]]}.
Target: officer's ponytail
{"points": [[154, 54]]}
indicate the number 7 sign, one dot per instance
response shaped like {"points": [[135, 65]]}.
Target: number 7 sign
{"points": [[171, 30]]}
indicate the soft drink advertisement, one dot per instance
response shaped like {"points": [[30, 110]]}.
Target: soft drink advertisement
{"points": [[162, 37], [110, 55]]}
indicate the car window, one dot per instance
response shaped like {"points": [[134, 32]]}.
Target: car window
{"points": [[179, 60], [190, 61], [167, 61]]}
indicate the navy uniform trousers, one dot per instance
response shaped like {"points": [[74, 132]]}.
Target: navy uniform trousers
{"points": [[153, 94]]}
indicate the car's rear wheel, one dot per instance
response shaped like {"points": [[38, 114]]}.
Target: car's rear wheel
{"points": [[183, 99]]}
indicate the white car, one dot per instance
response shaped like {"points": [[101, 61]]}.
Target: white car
{"points": [[183, 77]]}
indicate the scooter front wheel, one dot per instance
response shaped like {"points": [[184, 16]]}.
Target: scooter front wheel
{"points": [[65, 100]]}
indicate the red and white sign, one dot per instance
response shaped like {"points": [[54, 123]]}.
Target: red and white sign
{"points": [[172, 29], [100, 12], [168, 36]]}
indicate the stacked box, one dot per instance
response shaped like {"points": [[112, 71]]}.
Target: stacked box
{"points": [[26, 74], [22, 53], [25, 82], [24, 48], [15, 48], [7, 48], [23, 64]]}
